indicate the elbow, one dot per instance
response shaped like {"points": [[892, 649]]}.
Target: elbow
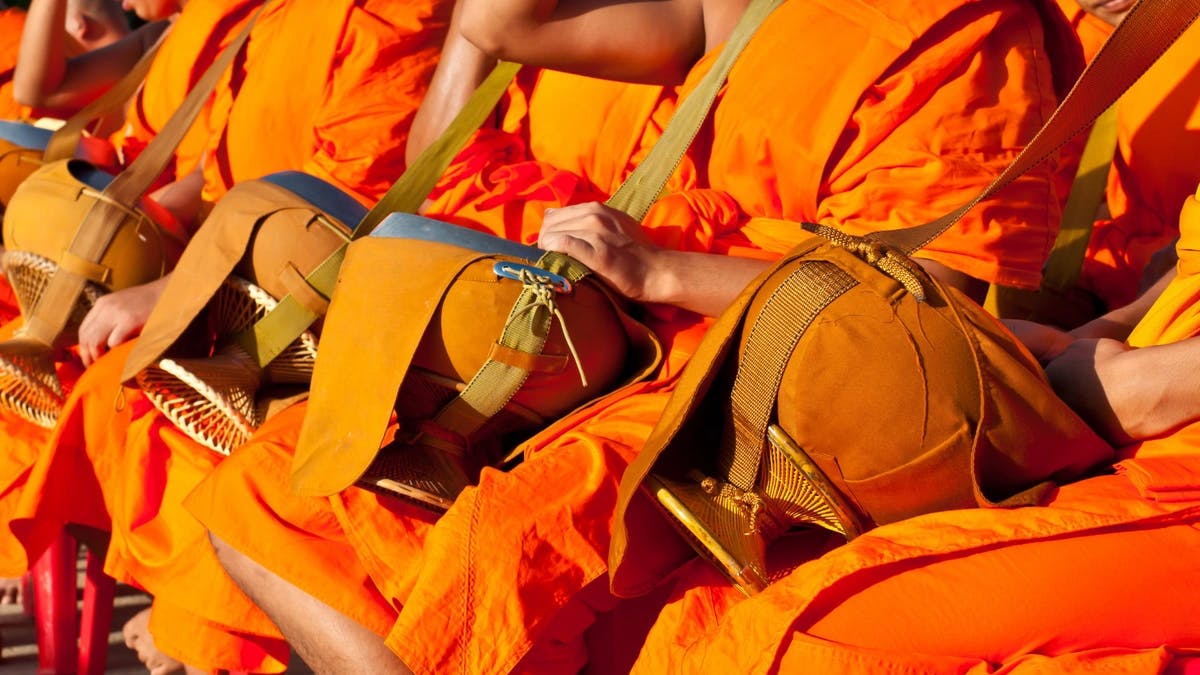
{"points": [[28, 95], [491, 35]]}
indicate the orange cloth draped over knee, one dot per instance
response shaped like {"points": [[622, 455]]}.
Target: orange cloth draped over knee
{"points": [[202, 29], [1153, 171], [199, 33], [342, 111], [985, 590], [351, 122], [63, 483], [12, 22], [189, 639], [489, 587], [197, 36]]}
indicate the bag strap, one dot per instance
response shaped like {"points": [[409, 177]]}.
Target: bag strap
{"points": [[271, 335], [65, 139], [1079, 214], [93, 236], [643, 187], [530, 320], [321, 468], [784, 318], [1145, 33]]}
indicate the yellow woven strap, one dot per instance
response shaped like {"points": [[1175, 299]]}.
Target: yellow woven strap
{"points": [[526, 330], [272, 334], [643, 187], [1079, 213], [93, 236], [774, 334], [65, 139], [1145, 33]]}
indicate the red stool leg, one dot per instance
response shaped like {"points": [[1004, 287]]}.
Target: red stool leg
{"points": [[54, 607], [98, 592], [27, 594]]}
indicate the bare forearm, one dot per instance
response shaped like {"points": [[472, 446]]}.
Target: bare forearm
{"points": [[1153, 390], [42, 60], [653, 41], [701, 282], [72, 83], [461, 68]]}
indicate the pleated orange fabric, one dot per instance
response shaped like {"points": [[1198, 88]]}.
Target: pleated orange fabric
{"points": [[986, 590], [351, 108], [917, 107], [199, 33], [12, 22], [545, 152], [342, 111], [193, 41], [1158, 132]]}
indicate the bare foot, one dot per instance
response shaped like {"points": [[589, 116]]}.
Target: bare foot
{"points": [[138, 638], [11, 590]]}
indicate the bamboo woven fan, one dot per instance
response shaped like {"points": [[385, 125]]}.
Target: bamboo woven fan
{"points": [[214, 400], [29, 384]]}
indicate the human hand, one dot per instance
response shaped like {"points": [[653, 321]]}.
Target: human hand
{"points": [[115, 318], [1045, 342], [609, 242], [1089, 375]]}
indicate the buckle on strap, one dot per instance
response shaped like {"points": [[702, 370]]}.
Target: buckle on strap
{"points": [[522, 272]]}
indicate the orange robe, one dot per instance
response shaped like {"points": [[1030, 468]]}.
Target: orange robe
{"points": [[196, 34], [12, 22], [194, 40], [1158, 134], [348, 124], [499, 581], [349, 108], [1100, 578]]}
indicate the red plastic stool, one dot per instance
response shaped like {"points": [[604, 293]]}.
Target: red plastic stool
{"points": [[60, 650]]}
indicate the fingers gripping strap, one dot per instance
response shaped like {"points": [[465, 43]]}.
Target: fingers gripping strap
{"points": [[526, 330], [643, 187], [1145, 33], [267, 338], [104, 219]]}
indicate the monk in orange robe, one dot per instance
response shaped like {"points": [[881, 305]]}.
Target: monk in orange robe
{"points": [[195, 39], [1097, 579], [512, 574], [346, 111], [167, 84]]}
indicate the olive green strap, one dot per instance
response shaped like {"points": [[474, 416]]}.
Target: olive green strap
{"points": [[526, 330], [65, 139], [272, 334], [529, 322], [643, 187], [54, 308], [1079, 213], [1147, 31]]}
